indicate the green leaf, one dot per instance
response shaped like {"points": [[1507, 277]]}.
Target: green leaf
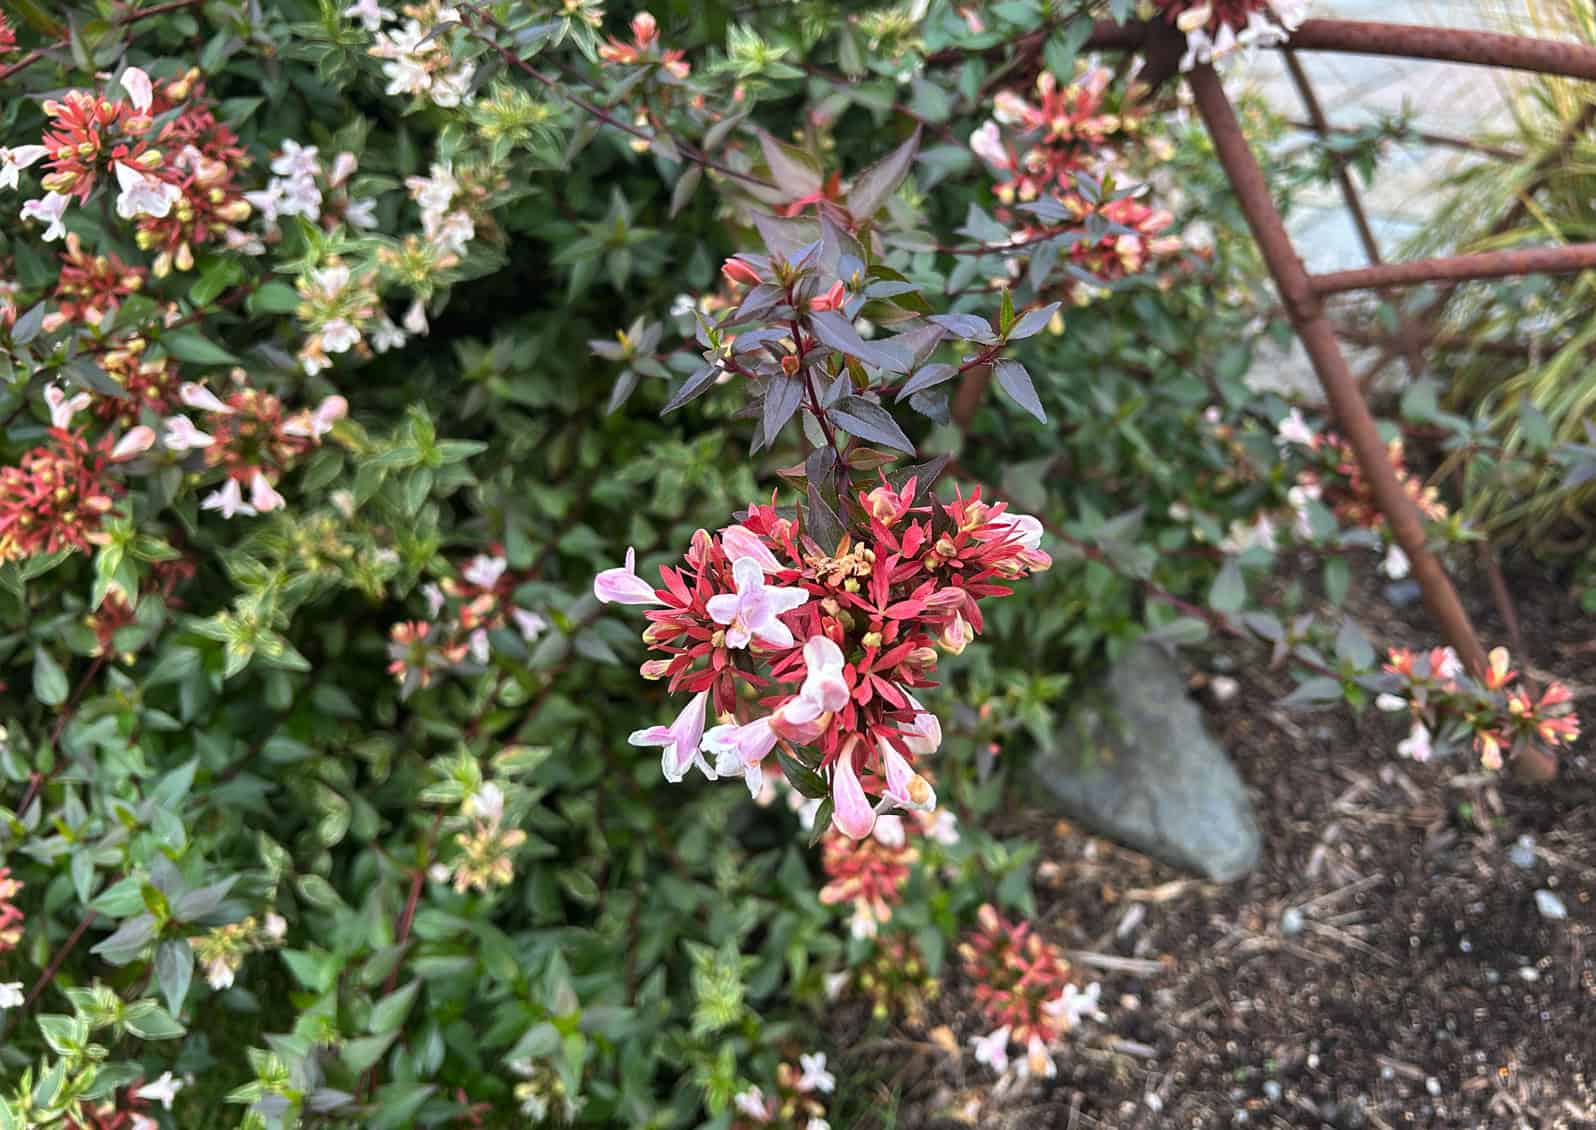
{"points": [[174, 969], [390, 1012], [188, 344], [155, 1024], [801, 777], [49, 681], [361, 1053], [1229, 591]]}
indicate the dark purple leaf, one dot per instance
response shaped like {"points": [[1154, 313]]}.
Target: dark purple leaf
{"points": [[693, 387], [1014, 380], [781, 401], [1032, 322], [965, 327], [838, 332], [928, 377], [872, 187], [869, 421]]}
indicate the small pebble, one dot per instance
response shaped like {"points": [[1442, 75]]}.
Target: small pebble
{"points": [[1223, 688], [1522, 853], [1400, 594], [1154, 1103], [1550, 906], [1222, 663], [1271, 1090], [1291, 921], [1492, 977], [1529, 973], [1433, 1085]]}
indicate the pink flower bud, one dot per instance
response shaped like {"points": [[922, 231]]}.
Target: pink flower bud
{"points": [[831, 300], [737, 271], [135, 443], [851, 813]]}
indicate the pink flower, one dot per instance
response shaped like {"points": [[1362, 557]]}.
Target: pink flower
{"points": [[624, 586], [141, 94], [740, 542], [753, 611], [1417, 744], [136, 442], [529, 624], [64, 407], [318, 423], [143, 195], [987, 144], [261, 495], [680, 740], [12, 161], [198, 396], [49, 208], [182, 435], [993, 1049], [851, 813], [742, 749], [484, 571], [823, 683], [905, 787], [229, 499], [925, 736]]}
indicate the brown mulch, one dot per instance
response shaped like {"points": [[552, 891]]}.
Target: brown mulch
{"points": [[1386, 966]]}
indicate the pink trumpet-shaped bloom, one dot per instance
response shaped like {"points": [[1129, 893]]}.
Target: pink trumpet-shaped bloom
{"points": [[624, 586], [198, 396], [136, 442], [742, 749], [851, 812], [905, 787], [740, 542], [752, 612], [681, 740], [182, 435], [824, 684]]}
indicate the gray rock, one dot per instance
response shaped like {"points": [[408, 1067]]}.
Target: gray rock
{"points": [[1135, 763], [1550, 906]]}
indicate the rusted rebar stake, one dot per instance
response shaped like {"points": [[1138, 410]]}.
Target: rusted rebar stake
{"points": [[1340, 387], [1461, 268]]}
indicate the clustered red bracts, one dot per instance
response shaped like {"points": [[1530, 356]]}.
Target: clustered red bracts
{"points": [[831, 645]]}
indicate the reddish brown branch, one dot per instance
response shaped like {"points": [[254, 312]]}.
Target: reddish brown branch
{"points": [[1462, 268]]}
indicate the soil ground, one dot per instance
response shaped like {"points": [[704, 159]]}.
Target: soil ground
{"points": [[1386, 966]]}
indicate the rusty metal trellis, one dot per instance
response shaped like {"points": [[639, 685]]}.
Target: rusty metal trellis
{"points": [[1301, 293]]}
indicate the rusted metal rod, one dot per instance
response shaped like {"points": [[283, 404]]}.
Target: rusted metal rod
{"points": [[1410, 41], [1450, 45], [1341, 388], [1461, 268]]}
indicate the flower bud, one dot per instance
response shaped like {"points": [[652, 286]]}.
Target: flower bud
{"points": [[656, 668], [737, 271], [957, 634]]}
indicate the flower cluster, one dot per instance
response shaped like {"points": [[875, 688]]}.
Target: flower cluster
{"points": [[1448, 707], [834, 642], [8, 36], [251, 437], [341, 307], [486, 850], [1038, 151], [150, 385], [416, 54], [60, 493], [178, 185], [1021, 983], [10, 917], [221, 951], [90, 286], [1217, 28], [1336, 481], [198, 178], [869, 874], [896, 981], [462, 612], [794, 1103], [645, 50], [301, 186]]}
